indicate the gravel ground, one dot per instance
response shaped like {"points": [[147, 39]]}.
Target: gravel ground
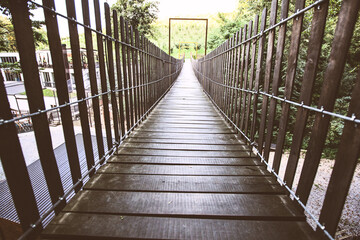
{"points": [[349, 227]]}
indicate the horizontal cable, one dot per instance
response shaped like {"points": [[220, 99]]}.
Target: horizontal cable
{"points": [[283, 21], [302, 105], [106, 157], [98, 32], [230, 87], [2, 121], [279, 179]]}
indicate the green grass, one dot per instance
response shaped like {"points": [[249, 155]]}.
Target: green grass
{"points": [[46, 92]]}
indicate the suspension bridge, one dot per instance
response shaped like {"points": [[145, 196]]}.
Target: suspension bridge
{"points": [[180, 149]]}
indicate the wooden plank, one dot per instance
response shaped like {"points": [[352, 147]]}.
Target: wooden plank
{"points": [[259, 62], [29, 66], [185, 141], [235, 77], [147, 92], [344, 168], [230, 77], [180, 117], [194, 205], [125, 76], [252, 71], [332, 77], [111, 72], [92, 78], [276, 81], [137, 74], [201, 184], [184, 153], [119, 74], [184, 122], [289, 84], [183, 170], [14, 166], [133, 69], [62, 93], [313, 56], [128, 35], [157, 135], [175, 160], [187, 130], [68, 225], [183, 113], [246, 75], [189, 147], [268, 69], [152, 125], [238, 98], [79, 82], [101, 55], [140, 44]]}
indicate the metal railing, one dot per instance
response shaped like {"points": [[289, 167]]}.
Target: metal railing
{"points": [[238, 77], [134, 76]]}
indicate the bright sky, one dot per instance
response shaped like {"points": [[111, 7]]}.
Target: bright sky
{"points": [[167, 8], [192, 8]]}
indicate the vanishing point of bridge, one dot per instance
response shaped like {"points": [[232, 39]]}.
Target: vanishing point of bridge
{"points": [[180, 150]]}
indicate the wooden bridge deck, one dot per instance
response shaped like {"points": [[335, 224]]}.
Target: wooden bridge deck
{"points": [[183, 174]]}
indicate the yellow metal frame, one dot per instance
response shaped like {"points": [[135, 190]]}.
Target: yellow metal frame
{"points": [[180, 47]]}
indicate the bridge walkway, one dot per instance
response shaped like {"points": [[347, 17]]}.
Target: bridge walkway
{"points": [[183, 174]]}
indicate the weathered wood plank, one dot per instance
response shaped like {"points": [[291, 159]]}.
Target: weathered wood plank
{"points": [[332, 77], [313, 57], [132, 227], [203, 184], [187, 130], [182, 160], [200, 125], [188, 147], [267, 77], [185, 141], [194, 205], [186, 170], [260, 57], [175, 135], [184, 153]]}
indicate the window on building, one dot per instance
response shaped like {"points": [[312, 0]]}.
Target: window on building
{"points": [[9, 74]]}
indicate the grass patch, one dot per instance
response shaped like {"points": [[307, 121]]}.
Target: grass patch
{"points": [[46, 92]]}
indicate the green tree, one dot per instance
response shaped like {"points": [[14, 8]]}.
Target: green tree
{"points": [[139, 13], [7, 34]]}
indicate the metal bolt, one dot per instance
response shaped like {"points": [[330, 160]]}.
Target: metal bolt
{"points": [[353, 117], [322, 111]]}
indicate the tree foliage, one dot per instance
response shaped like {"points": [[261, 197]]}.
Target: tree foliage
{"points": [[7, 34], [229, 24], [140, 14]]}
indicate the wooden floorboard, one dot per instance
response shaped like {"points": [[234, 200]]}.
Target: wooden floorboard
{"points": [[166, 160], [182, 174]]}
